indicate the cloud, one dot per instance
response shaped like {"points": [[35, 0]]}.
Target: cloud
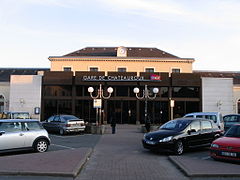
{"points": [[216, 12]]}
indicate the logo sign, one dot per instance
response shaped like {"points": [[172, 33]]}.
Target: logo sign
{"points": [[155, 77], [97, 103]]}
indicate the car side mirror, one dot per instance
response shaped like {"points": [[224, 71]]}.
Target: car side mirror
{"points": [[2, 132], [191, 131]]}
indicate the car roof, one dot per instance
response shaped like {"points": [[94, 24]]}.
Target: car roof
{"points": [[203, 113], [231, 115], [19, 120], [192, 119]]}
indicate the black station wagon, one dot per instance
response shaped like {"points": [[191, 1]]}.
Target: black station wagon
{"points": [[179, 134]]}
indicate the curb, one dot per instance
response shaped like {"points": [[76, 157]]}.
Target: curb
{"points": [[72, 172], [206, 168]]}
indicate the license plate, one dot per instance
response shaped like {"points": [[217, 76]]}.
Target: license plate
{"points": [[150, 142], [229, 154]]}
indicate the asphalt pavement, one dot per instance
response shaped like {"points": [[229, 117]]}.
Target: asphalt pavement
{"points": [[117, 156]]}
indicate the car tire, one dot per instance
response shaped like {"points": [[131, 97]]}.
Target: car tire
{"points": [[62, 132], [179, 148], [41, 145]]}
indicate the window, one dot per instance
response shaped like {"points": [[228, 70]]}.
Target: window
{"points": [[206, 125], [122, 69], [176, 70], [188, 92], [67, 69], [11, 127], [149, 69], [195, 125], [93, 69], [50, 119], [1, 103], [32, 126]]}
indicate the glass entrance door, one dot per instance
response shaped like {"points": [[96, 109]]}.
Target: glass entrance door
{"points": [[125, 111]]}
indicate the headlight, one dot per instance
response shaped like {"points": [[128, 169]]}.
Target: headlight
{"points": [[215, 145], [144, 136], [166, 139]]}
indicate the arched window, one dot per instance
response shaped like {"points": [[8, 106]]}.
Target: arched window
{"points": [[238, 106], [1, 103]]}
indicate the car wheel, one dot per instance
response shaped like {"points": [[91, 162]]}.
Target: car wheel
{"points": [[41, 145], [61, 132], [179, 148]]}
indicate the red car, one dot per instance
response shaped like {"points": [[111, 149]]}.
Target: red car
{"points": [[228, 146]]}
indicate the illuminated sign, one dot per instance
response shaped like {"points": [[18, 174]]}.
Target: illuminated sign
{"points": [[155, 77]]}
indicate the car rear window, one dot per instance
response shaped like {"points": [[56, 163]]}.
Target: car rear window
{"points": [[69, 117]]}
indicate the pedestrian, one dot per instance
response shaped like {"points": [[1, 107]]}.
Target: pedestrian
{"points": [[148, 124], [113, 123]]}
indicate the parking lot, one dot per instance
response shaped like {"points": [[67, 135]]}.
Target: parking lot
{"points": [[121, 156]]}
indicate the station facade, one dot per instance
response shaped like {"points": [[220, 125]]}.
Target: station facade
{"points": [[65, 86]]}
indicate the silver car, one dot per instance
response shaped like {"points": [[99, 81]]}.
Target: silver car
{"points": [[63, 124], [16, 134]]}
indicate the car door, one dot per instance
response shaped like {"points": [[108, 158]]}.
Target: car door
{"points": [[56, 123], [48, 124], [31, 131], [193, 133], [11, 135], [207, 132]]}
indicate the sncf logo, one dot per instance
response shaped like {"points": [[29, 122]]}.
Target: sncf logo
{"points": [[155, 77]]}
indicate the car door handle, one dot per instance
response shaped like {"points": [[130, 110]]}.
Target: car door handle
{"points": [[21, 134]]}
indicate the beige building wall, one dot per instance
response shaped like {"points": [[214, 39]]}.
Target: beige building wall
{"points": [[25, 93], [159, 65]]}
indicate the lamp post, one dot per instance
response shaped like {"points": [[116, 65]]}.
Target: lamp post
{"points": [[146, 96], [98, 100]]}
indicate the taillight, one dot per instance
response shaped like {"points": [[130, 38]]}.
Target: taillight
{"points": [[68, 125]]}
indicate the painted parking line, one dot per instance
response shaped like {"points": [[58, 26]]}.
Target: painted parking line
{"points": [[62, 146], [206, 158], [59, 136]]}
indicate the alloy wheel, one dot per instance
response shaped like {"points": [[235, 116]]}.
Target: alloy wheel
{"points": [[41, 146]]}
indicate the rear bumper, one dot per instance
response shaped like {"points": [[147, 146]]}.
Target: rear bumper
{"points": [[75, 129]]}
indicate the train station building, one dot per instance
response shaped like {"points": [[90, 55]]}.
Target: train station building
{"points": [[64, 88]]}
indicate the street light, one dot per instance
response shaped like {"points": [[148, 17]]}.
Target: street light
{"points": [[146, 96], [98, 99]]}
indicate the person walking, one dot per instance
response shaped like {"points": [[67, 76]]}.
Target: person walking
{"points": [[113, 123], [148, 124]]}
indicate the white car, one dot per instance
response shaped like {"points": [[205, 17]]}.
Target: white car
{"points": [[216, 117], [17, 134]]}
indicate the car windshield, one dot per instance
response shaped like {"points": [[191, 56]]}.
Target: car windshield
{"points": [[68, 117], [234, 131], [177, 125]]}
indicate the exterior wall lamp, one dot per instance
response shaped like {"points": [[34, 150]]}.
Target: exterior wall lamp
{"points": [[146, 95], [97, 103]]}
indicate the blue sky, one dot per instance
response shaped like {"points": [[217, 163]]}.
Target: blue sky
{"points": [[206, 30]]}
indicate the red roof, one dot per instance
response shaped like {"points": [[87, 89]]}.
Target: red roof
{"points": [[112, 52]]}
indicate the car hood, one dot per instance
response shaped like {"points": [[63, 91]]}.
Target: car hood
{"points": [[162, 133], [228, 141]]}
